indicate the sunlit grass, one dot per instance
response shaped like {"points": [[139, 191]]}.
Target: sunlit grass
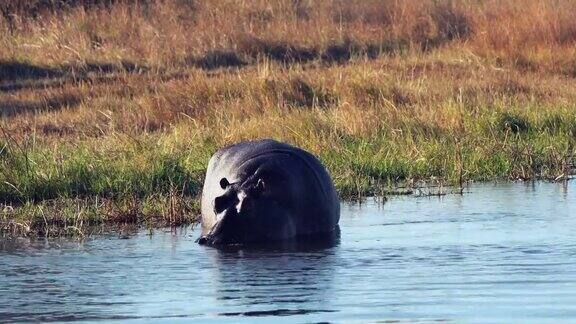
{"points": [[109, 115]]}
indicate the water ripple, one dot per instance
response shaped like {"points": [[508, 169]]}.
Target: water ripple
{"points": [[497, 254]]}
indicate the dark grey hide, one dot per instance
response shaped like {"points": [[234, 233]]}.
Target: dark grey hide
{"points": [[264, 191]]}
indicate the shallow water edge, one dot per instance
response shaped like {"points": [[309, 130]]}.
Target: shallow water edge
{"points": [[500, 253]]}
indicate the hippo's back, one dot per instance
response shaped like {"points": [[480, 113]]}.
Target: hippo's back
{"points": [[230, 163]]}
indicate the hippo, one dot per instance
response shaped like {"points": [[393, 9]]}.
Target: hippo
{"points": [[266, 191]]}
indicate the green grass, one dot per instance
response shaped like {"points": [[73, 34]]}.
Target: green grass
{"points": [[108, 115], [156, 179]]}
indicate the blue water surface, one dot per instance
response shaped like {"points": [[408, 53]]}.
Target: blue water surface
{"points": [[499, 253]]}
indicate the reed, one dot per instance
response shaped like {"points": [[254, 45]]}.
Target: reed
{"points": [[110, 110]]}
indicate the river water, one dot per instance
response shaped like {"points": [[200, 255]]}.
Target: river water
{"points": [[498, 253]]}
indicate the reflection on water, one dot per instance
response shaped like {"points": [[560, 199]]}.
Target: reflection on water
{"points": [[298, 276], [500, 253]]}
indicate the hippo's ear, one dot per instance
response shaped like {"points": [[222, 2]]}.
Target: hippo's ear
{"points": [[224, 183], [259, 186]]}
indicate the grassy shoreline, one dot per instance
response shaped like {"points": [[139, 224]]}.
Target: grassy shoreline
{"points": [[108, 115]]}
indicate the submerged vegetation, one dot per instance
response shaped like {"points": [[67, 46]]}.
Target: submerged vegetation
{"points": [[109, 110]]}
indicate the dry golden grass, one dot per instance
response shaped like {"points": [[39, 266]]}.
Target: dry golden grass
{"points": [[170, 33], [126, 102]]}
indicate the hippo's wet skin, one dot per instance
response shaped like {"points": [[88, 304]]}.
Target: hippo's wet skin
{"points": [[264, 191]]}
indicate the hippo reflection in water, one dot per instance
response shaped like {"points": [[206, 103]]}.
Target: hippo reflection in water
{"points": [[266, 191]]}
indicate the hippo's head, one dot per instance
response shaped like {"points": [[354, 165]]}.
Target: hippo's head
{"points": [[249, 211]]}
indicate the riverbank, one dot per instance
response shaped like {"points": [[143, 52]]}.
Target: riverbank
{"points": [[109, 115]]}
